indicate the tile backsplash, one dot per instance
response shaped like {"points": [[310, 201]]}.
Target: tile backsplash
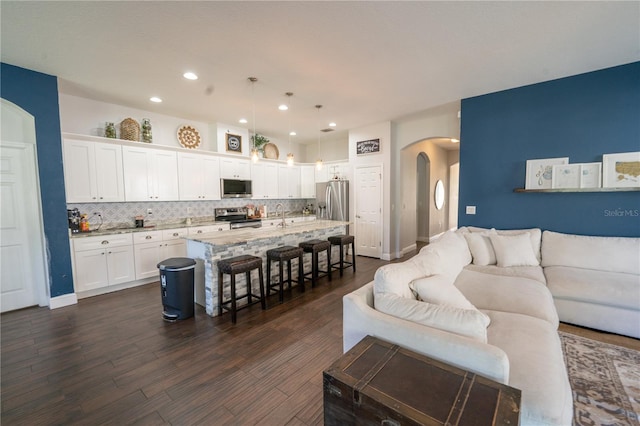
{"points": [[115, 214]]}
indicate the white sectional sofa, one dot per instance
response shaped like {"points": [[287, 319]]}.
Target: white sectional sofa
{"points": [[478, 299]]}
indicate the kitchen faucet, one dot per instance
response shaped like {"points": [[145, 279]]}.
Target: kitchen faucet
{"points": [[283, 224]]}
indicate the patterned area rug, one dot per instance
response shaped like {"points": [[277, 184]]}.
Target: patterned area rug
{"points": [[605, 380]]}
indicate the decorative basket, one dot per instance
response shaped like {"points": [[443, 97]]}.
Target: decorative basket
{"points": [[130, 130]]}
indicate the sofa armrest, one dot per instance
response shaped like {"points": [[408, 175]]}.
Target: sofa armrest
{"points": [[361, 319]]}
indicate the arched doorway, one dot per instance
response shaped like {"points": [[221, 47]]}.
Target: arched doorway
{"points": [[23, 277], [423, 184]]}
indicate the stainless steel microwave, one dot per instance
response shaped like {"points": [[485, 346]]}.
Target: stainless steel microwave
{"points": [[235, 188]]}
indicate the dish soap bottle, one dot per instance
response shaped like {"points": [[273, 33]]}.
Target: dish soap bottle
{"points": [[84, 223]]}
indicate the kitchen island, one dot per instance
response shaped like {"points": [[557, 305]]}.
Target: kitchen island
{"points": [[207, 249]]}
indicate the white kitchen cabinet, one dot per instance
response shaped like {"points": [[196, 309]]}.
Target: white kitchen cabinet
{"points": [[307, 182], [288, 181], [264, 180], [207, 229], [235, 168], [199, 176], [150, 174], [103, 261], [93, 172], [152, 247]]}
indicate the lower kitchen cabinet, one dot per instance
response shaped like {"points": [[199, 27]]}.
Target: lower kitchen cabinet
{"points": [[103, 261], [151, 248]]}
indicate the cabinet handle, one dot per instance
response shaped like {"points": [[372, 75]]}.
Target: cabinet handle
{"points": [[101, 198], [109, 252], [104, 242], [148, 237], [93, 198], [199, 232], [175, 234]]}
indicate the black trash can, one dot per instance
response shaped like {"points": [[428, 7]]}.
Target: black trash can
{"points": [[176, 285]]}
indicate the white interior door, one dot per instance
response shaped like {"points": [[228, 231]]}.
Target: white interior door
{"points": [[22, 259], [368, 221]]}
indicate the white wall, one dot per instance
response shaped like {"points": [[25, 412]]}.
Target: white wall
{"points": [[441, 121], [87, 117], [332, 148]]}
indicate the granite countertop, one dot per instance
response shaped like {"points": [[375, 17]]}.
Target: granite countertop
{"points": [[159, 227], [239, 236], [126, 229]]}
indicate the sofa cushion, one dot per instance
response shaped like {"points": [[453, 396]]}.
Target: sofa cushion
{"points": [[439, 290], [508, 294], [447, 256], [531, 272], [513, 250], [394, 278], [612, 254], [481, 248], [465, 322], [537, 367], [600, 287], [534, 233]]}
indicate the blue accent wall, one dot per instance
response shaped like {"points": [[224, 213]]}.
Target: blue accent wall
{"points": [[37, 94], [580, 117]]}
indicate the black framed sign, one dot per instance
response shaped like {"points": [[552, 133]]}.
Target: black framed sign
{"points": [[234, 143], [368, 147]]}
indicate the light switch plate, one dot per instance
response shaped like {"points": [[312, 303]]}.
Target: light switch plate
{"points": [[471, 210]]}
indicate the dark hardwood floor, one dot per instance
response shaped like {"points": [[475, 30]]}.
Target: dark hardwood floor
{"points": [[111, 359]]}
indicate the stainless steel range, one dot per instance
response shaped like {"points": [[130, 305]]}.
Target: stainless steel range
{"points": [[237, 217]]}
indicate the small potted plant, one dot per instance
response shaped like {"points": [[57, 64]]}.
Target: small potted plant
{"points": [[259, 141]]}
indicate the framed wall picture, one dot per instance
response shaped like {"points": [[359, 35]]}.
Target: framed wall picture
{"points": [[234, 143], [621, 170], [540, 172], [565, 176], [590, 175], [368, 147]]}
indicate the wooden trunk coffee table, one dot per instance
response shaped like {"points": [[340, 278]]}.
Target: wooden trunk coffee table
{"points": [[380, 383]]}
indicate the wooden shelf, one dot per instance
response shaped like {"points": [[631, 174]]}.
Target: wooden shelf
{"points": [[578, 190]]}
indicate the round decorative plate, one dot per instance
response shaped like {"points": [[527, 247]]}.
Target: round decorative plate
{"points": [[188, 137], [271, 151]]}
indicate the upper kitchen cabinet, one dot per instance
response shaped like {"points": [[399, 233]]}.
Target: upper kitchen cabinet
{"points": [[150, 174], [199, 176], [235, 168], [92, 171], [288, 181], [307, 182], [264, 180]]}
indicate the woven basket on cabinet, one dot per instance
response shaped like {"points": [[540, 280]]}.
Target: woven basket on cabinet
{"points": [[130, 130]]}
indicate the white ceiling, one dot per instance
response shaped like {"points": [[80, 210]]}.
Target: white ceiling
{"points": [[366, 62]]}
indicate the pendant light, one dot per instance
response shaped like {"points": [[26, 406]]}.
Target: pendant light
{"points": [[319, 160], [290, 154], [254, 151]]}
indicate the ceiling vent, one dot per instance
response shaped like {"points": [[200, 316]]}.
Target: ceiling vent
{"points": [[327, 130]]}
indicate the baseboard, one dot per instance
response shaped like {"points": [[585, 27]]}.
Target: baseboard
{"points": [[62, 301], [435, 237], [409, 249]]}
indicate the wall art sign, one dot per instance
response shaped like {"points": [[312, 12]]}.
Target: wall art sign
{"points": [[540, 172], [368, 147], [234, 143]]}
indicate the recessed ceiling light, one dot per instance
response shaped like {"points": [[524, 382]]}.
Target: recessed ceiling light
{"points": [[190, 76], [155, 99], [292, 133], [243, 121], [283, 107], [332, 124], [454, 140]]}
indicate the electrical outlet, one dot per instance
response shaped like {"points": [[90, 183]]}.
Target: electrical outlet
{"points": [[188, 210], [149, 211]]}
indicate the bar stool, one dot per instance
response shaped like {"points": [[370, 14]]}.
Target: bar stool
{"points": [[238, 265], [344, 240], [281, 255], [314, 247]]}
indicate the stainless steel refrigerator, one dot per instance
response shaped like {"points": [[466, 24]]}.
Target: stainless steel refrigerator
{"points": [[332, 200]]}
